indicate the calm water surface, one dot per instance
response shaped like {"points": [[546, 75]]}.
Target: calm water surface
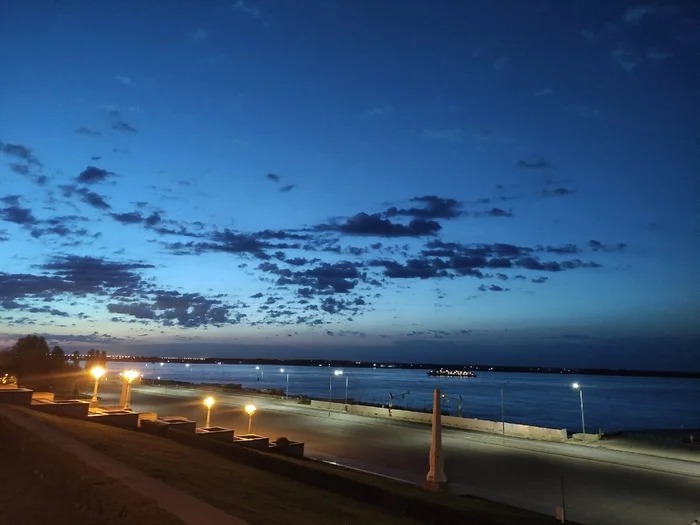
{"points": [[610, 403]]}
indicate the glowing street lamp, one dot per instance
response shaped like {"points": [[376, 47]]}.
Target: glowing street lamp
{"points": [[330, 388], [209, 402], [286, 392], [576, 386], [250, 410], [129, 376], [262, 373], [97, 372]]}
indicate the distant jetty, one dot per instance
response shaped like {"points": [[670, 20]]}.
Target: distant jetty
{"points": [[444, 372]]}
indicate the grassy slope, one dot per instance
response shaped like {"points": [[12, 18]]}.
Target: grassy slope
{"points": [[40, 484], [262, 497]]}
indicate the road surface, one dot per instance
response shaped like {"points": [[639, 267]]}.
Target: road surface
{"points": [[601, 487]]}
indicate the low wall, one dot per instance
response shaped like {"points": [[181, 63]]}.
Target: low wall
{"points": [[73, 409], [464, 423], [125, 420], [42, 396], [16, 396]]}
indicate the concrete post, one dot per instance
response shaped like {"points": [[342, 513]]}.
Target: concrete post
{"points": [[124, 394], [436, 479]]}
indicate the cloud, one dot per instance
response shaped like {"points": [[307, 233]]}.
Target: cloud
{"points": [[18, 215], [19, 151], [288, 188], [200, 34], [656, 55], [598, 246], [537, 165], [88, 132], [624, 58], [433, 207], [497, 212], [448, 134], [87, 196], [492, 288], [559, 192], [124, 127], [374, 225], [11, 200], [93, 175], [247, 8], [637, 14], [273, 177], [500, 63], [127, 81], [544, 92]]}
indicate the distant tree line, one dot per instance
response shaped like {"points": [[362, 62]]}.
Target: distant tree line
{"points": [[34, 364]]}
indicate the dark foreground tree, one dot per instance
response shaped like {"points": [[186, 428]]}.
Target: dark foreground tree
{"points": [[36, 366]]}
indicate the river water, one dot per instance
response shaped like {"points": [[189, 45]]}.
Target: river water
{"points": [[609, 403]]}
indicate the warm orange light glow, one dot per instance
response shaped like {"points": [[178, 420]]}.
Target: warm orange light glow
{"points": [[97, 372], [250, 409], [209, 402], [130, 375]]}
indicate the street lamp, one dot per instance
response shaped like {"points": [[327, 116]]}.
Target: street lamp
{"points": [[286, 392], [209, 402], [129, 376], [97, 372], [262, 373], [250, 410], [576, 386], [330, 388]]}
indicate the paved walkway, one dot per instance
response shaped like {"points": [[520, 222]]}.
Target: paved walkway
{"points": [[187, 508]]}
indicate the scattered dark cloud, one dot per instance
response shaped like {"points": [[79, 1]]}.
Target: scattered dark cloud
{"points": [[537, 165], [288, 188], [598, 246], [18, 215], [432, 207], [498, 212], [558, 192], [87, 196], [88, 132], [92, 175], [492, 288], [11, 200], [19, 151], [273, 177], [124, 127], [374, 225]]}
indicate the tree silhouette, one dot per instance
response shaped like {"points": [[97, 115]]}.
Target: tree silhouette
{"points": [[34, 364]]}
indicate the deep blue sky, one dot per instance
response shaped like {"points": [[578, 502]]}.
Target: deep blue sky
{"points": [[486, 181]]}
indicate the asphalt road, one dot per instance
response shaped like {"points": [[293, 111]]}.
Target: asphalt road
{"points": [[601, 487]]}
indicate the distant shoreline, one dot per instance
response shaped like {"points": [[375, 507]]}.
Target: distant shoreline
{"points": [[408, 366]]}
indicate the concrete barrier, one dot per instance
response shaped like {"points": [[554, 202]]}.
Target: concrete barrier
{"points": [[74, 409], [464, 423], [16, 396], [42, 396]]}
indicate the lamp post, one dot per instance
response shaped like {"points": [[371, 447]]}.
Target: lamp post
{"points": [[330, 388], [187, 365], [262, 373], [250, 410], [209, 402], [576, 386], [129, 377], [346, 390], [97, 372], [286, 391]]}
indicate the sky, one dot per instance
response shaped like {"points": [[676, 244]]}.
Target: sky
{"points": [[477, 182]]}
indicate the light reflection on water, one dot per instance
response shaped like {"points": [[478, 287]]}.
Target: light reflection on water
{"points": [[610, 403]]}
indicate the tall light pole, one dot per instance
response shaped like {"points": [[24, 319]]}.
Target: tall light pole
{"points": [[330, 388], [576, 386], [286, 391], [97, 372], [250, 410], [129, 377], [187, 365], [209, 402], [262, 373], [346, 390]]}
